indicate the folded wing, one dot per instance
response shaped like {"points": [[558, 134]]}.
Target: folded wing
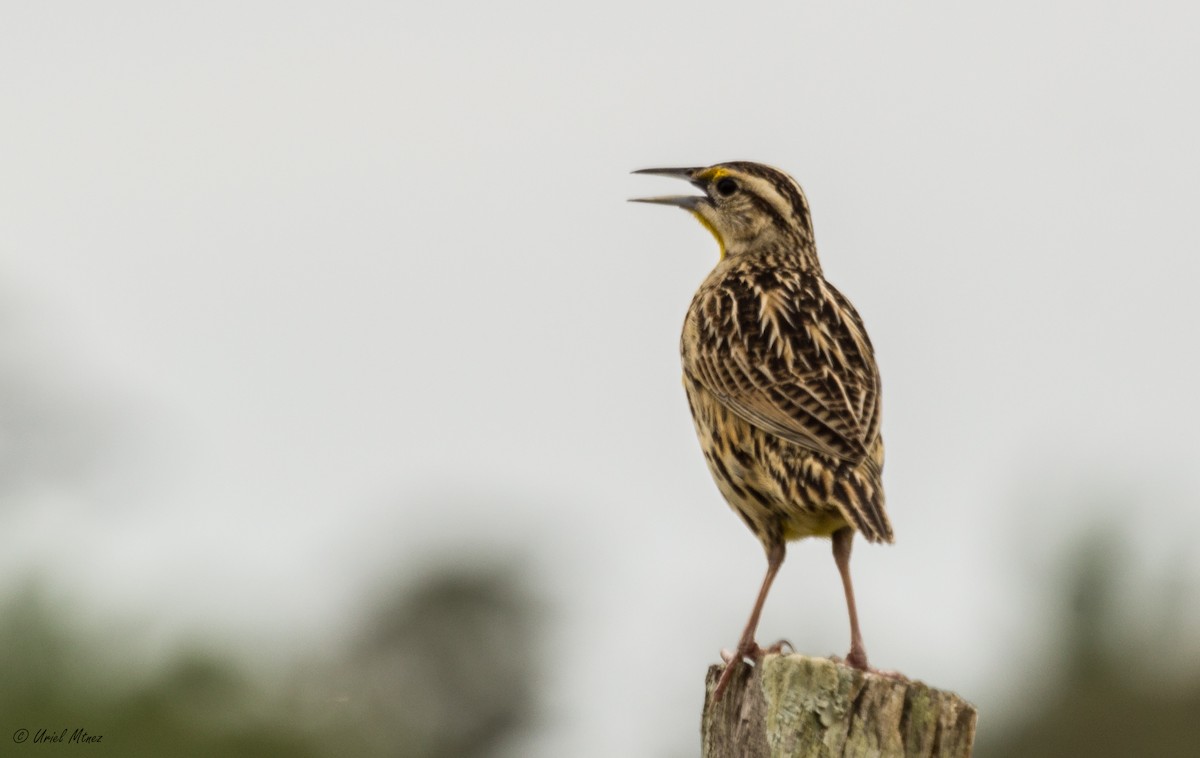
{"points": [[788, 353]]}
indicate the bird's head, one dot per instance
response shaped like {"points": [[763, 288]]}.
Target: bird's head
{"points": [[746, 206]]}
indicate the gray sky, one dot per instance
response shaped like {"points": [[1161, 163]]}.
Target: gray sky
{"points": [[357, 288]]}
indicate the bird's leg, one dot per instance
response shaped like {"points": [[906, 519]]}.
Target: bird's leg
{"points": [[747, 648], [857, 657]]}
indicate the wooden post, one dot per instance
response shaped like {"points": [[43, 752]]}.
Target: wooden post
{"points": [[794, 706]]}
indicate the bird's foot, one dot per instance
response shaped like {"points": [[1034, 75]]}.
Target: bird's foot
{"points": [[755, 653], [732, 660], [889, 674], [782, 647], [749, 652], [860, 662], [857, 658]]}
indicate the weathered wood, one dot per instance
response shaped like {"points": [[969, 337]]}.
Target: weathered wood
{"points": [[801, 707]]}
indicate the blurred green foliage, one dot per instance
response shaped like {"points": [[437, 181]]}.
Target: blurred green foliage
{"points": [[446, 668], [441, 670], [1127, 689]]}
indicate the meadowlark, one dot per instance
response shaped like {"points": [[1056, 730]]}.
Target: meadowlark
{"points": [[781, 380]]}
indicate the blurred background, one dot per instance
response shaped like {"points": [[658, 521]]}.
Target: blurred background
{"points": [[339, 387]]}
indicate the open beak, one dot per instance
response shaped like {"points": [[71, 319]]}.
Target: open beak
{"points": [[687, 202]]}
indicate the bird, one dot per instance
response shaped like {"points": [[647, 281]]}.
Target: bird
{"points": [[781, 381]]}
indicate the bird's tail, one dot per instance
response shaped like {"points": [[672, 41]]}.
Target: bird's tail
{"points": [[867, 505]]}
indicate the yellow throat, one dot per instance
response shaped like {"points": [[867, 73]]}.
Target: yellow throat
{"points": [[711, 230]]}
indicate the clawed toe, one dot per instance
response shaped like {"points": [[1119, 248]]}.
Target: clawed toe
{"points": [[861, 665], [748, 652], [889, 674]]}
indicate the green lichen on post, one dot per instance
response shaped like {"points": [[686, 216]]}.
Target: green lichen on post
{"points": [[805, 701], [804, 707]]}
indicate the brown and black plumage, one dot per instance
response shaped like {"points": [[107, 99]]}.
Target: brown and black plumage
{"points": [[781, 379]]}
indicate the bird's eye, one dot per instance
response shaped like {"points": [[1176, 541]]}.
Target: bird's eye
{"points": [[726, 187]]}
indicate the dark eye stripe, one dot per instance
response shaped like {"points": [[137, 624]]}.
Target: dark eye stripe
{"points": [[784, 186], [796, 200], [767, 208]]}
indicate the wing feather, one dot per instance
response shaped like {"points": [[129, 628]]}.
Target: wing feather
{"points": [[787, 352]]}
